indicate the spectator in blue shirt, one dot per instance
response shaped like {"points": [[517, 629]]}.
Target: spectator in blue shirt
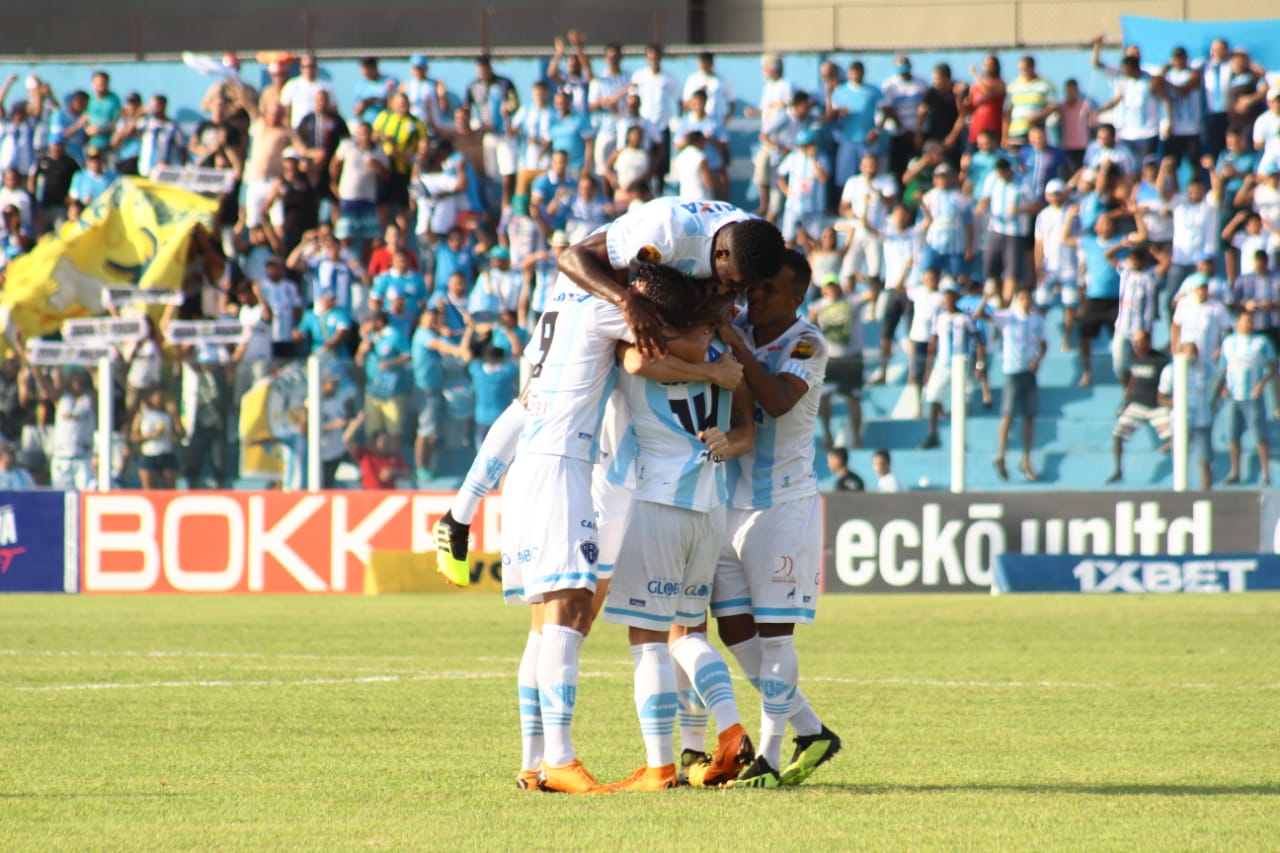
{"points": [[13, 477], [70, 124], [402, 279], [851, 108], [89, 183], [384, 355], [494, 377], [1248, 364], [103, 111], [1101, 304], [570, 131], [455, 256], [325, 329], [372, 91], [427, 351]]}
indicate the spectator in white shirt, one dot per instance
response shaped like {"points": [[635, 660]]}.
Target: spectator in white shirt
{"points": [[886, 480], [720, 103], [775, 97], [658, 96], [1266, 127], [1023, 349], [865, 202], [693, 174], [299, 94], [903, 95]]}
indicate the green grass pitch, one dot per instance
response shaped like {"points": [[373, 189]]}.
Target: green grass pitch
{"points": [[970, 723]]}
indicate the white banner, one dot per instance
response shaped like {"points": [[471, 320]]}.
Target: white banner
{"points": [[182, 332], [195, 179], [119, 296], [110, 329], [51, 352]]}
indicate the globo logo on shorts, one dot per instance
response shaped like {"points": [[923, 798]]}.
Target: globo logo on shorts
{"points": [[663, 587], [697, 590]]}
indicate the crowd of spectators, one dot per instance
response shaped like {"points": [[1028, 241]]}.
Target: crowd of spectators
{"points": [[412, 240]]}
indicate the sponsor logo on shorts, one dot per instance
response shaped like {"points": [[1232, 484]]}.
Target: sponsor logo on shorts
{"points": [[785, 572], [585, 436], [636, 602], [663, 587], [590, 525], [791, 594], [697, 590], [527, 555], [590, 552]]}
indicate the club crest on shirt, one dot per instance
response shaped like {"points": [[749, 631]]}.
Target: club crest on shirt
{"points": [[648, 255], [804, 349]]}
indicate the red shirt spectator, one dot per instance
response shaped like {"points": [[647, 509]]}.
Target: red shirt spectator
{"points": [[986, 100], [380, 462], [379, 470], [392, 242]]}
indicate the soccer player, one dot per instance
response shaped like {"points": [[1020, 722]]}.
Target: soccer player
{"points": [[683, 432], [767, 578], [714, 241]]}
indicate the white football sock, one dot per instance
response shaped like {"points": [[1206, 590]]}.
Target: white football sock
{"points": [[747, 654], [656, 701], [491, 462], [558, 691], [779, 674], [530, 707], [803, 718], [692, 715], [710, 675]]}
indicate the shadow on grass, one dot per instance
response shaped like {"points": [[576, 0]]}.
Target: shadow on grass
{"points": [[1132, 790]]}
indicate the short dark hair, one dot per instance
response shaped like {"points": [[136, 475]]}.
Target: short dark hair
{"points": [[369, 62], [800, 270], [756, 245], [857, 65], [670, 291], [943, 68], [840, 453], [882, 453], [707, 56]]}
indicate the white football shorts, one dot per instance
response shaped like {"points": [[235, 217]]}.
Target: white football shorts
{"points": [[549, 540], [665, 569], [770, 565]]}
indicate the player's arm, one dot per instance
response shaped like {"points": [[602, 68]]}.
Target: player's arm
{"points": [[741, 437], [681, 365], [586, 263], [777, 394]]}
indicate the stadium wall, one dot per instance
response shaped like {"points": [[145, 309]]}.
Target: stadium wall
{"points": [[302, 543], [141, 28]]}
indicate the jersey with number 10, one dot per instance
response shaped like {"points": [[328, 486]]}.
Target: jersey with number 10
{"points": [[671, 232], [574, 375], [673, 467], [779, 467]]}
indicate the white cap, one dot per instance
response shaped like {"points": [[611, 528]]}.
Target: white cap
{"points": [[290, 153], [1055, 186], [32, 81], [1273, 93]]}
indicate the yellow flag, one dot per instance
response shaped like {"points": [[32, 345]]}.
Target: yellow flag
{"points": [[138, 232]]}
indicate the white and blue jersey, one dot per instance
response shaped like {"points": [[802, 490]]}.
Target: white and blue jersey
{"points": [[949, 212], [779, 468], [574, 375], [1139, 301], [1245, 360], [957, 334], [671, 232], [673, 467], [1202, 377]]}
